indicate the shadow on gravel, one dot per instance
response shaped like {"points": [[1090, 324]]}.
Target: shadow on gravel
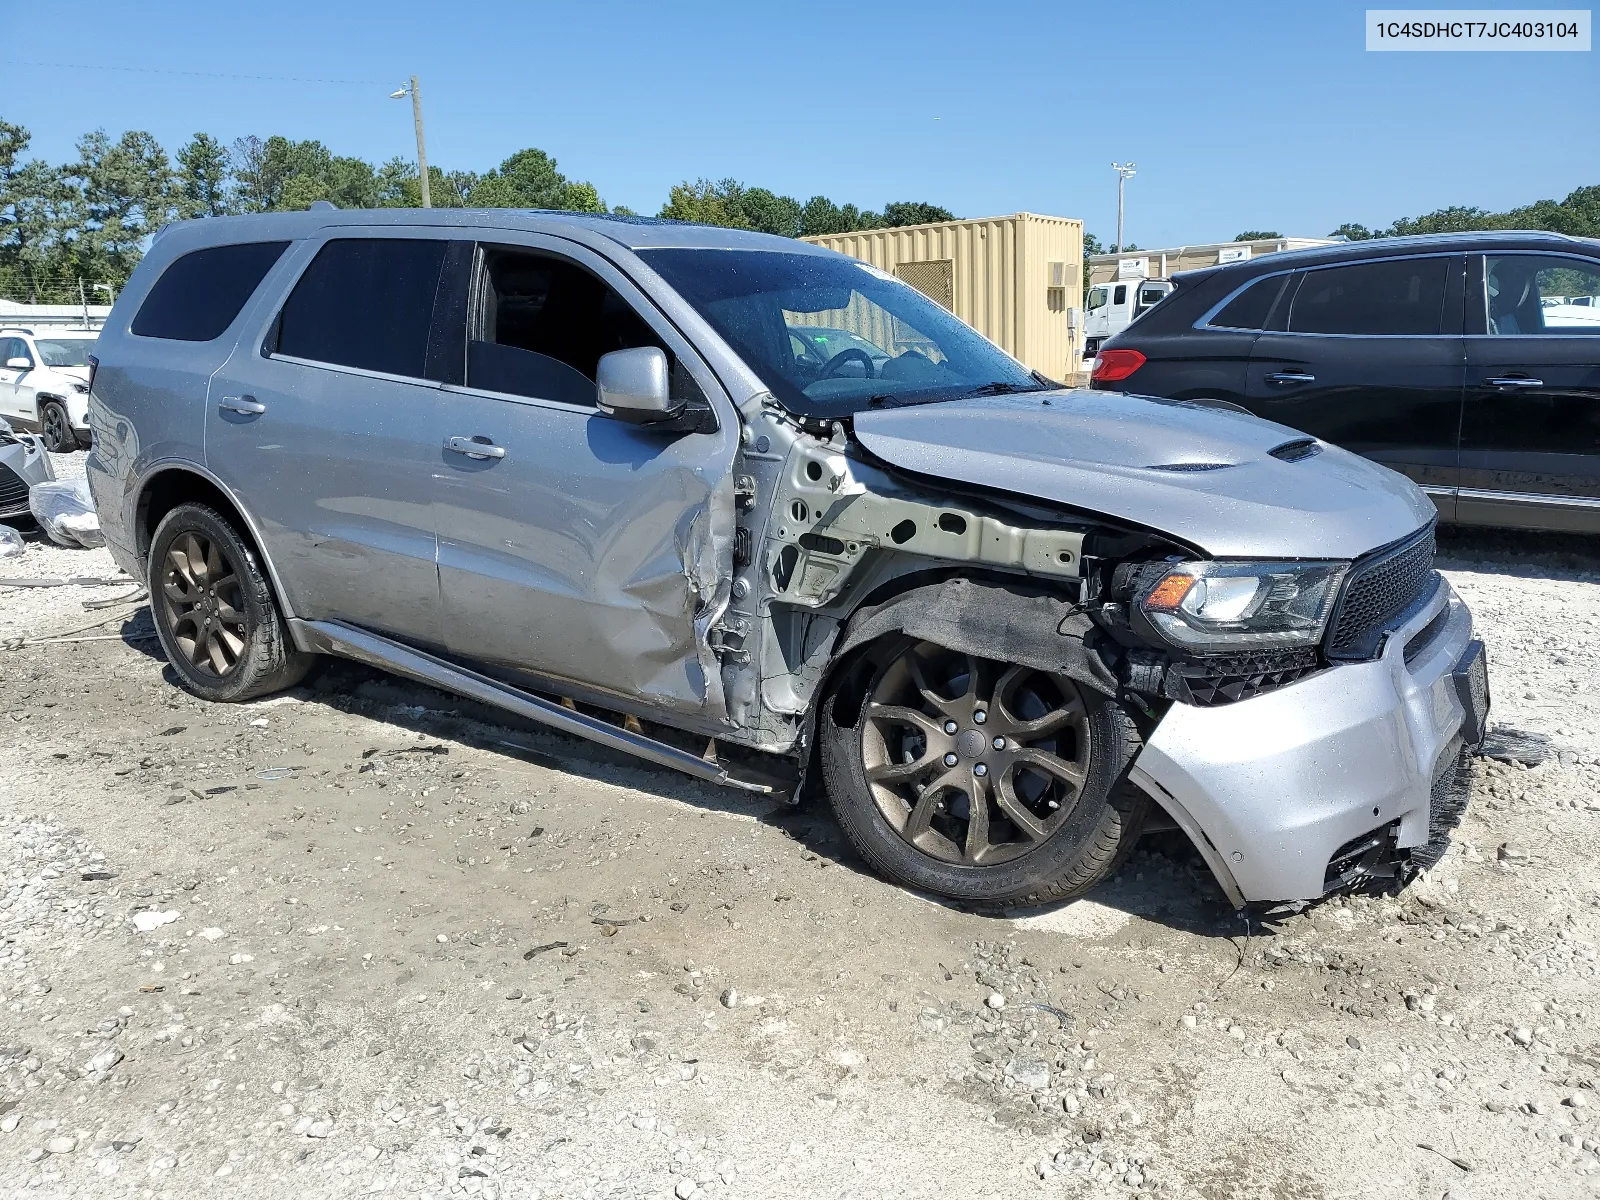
{"points": [[1521, 554]]}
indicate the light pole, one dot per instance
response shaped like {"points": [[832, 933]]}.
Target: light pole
{"points": [[415, 93], [1124, 172]]}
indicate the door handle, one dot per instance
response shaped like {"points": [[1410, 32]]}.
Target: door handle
{"points": [[1290, 377], [475, 447], [248, 405], [1513, 381]]}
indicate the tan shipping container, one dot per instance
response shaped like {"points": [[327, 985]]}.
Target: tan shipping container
{"points": [[1017, 280]]}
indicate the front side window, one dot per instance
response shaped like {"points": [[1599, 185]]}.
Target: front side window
{"points": [[831, 336], [1391, 296], [543, 326], [12, 348], [365, 302], [1542, 294], [1251, 307], [1098, 297], [65, 352], [199, 294]]}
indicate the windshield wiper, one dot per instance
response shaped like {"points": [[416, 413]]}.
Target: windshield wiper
{"points": [[1002, 389]]}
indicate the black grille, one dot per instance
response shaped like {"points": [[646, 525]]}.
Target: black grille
{"points": [[13, 491], [1380, 588], [1212, 681], [1452, 785]]}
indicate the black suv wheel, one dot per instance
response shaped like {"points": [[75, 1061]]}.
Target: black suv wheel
{"points": [[979, 780], [215, 613]]}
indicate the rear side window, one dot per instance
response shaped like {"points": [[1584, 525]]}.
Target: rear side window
{"points": [[1120, 296], [1394, 296], [365, 302], [1251, 307], [199, 295]]}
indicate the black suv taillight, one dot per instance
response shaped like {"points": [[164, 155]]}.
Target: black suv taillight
{"points": [[94, 365], [1112, 366]]}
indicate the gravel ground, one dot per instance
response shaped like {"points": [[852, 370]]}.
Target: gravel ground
{"points": [[368, 939]]}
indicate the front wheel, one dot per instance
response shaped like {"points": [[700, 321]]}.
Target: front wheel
{"points": [[979, 780], [57, 428], [214, 610]]}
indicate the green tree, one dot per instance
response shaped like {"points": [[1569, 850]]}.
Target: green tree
{"points": [[819, 216], [127, 191], [531, 179], [1256, 235], [1353, 233], [204, 178], [770, 213], [914, 212], [707, 203]]}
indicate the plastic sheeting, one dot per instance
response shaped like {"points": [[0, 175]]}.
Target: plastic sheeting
{"points": [[65, 511], [11, 543]]}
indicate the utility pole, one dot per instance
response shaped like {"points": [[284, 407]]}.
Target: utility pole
{"points": [[1124, 172], [415, 92]]}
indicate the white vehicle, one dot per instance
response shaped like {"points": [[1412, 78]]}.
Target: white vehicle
{"points": [[44, 383], [1112, 307]]}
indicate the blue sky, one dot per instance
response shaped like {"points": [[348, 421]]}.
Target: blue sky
{"points": [[1239, 115]]}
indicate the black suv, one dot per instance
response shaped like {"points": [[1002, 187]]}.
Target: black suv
{"points": [[1469, 362]]}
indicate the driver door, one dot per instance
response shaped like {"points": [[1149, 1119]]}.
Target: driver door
{"points": [[11, 377], [573, 547]]}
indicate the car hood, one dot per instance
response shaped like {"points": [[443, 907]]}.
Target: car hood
{"points": [[81, 374], [1200, 474]]}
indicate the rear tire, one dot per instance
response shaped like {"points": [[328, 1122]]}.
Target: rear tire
{"points": [[214, 610], [56, 428], [1038, 759]]}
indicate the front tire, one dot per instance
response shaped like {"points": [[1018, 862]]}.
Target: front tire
{"points": [[57, 428], [214, 610], [982, 781]]}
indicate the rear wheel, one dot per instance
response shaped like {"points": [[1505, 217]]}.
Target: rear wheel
{"points": [[975, 779], [57, 428], [214, 610]]}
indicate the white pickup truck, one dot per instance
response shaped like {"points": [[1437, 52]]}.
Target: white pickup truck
{"points": [[1111, 307]]}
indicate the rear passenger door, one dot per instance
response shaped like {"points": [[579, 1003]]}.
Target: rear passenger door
{"points": [[11, 377], [1530, 435], [324, 423], [1370, 356], [575, 547]]}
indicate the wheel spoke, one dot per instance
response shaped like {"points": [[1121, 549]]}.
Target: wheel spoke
{"points": [[1005, 795], [1050, 764], [176, 588], [1050, 722], [217, 652], [899, 714], [215, 567], [920, 679], [901, 772], [977, 819], [922, 814]]}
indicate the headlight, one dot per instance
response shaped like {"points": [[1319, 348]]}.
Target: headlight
{"points": [[1212, 606], [81, 388]]}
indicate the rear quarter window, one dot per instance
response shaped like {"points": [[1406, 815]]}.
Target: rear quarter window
{"points": [[1251, 307], [199, 294]]}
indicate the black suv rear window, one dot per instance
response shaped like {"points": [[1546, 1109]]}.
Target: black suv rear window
{"points": [[1390, 296], [1251, 307], [365, 302], [199, 295]]}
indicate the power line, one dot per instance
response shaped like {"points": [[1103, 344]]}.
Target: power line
{"points": [[17, 62]]}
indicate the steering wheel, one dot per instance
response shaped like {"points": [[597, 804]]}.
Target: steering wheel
{"points": [[853, 352]]}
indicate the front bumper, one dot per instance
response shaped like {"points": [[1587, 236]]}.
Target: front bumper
{"points": [[1270, 789]]}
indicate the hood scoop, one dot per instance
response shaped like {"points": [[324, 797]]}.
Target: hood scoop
{"points": [[1296, 450]]}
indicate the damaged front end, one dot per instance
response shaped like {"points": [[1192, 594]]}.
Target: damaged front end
{"points": [[23, 463]]}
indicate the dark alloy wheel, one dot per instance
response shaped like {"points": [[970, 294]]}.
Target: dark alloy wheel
{"points": [[203, 606], [973, 761], [977, 779], [215, 611], [58, 435]]}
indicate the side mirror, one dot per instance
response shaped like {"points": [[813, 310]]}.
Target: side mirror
{"points": [[19, 364], [631, 385]]}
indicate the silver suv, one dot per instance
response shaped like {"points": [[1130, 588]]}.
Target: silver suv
{"points": [[592, 470]]}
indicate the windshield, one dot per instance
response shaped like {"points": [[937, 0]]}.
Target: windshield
{"points": [[64, 352], [831, 336]]}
